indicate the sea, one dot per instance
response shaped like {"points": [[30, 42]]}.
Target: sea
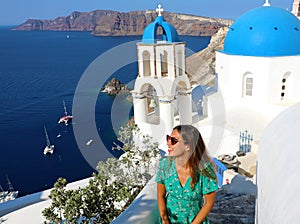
{"points": [[38, 71]]}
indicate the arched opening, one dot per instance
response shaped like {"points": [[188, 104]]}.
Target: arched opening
{"points": [[146, 63], [164, 64], [152, 104]]}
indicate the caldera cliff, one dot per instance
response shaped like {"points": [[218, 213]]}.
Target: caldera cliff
{"points": [[113, 23]]}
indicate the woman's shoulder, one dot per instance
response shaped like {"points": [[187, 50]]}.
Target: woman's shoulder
{"points": [[208, 165], [164, 169], [207, 169], [165, 161]]}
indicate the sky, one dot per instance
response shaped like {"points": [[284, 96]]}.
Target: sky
{"points": [[14, 12]]}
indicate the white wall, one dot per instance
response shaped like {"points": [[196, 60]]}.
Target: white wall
{"points": [[279, 67], [278, 199], [232, 68], [267, 73]]}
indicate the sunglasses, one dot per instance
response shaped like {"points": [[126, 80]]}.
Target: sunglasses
{"points": [[173, 140]]}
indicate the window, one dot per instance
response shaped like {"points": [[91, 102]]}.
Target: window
{"points": [[249, 86]]}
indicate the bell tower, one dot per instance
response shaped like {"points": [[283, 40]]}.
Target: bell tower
{"points": [[162, 91]]}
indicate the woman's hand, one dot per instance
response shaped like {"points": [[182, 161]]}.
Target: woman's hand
{"points": [[209, 204], [166, 220]]}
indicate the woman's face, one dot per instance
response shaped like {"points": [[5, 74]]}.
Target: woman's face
{"points": [[176, 145]]}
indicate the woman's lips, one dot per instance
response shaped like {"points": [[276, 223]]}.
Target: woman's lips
{"points": [[170, 150]]}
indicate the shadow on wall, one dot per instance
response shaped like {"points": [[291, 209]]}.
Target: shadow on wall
{"points": [[241, 184]]}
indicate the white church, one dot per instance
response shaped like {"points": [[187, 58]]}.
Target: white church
{"points": [[257, 89], [162, 83]]}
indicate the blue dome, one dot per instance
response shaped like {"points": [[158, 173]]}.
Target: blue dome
{"points": [[169, 32], [264, 31]]}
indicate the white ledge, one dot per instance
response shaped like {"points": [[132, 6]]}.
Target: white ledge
{"points": [[143, 209]]}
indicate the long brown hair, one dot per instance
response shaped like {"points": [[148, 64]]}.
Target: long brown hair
{"points": [[199, 158]]}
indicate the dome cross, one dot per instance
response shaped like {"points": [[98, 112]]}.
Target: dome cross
{"points": [[159, 9], [267, 3]]}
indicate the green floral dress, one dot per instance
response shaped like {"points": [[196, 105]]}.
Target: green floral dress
{"points": [[183, 203]]}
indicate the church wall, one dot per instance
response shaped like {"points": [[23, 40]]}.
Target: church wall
{"points": [[288, 68], [232, 70]]}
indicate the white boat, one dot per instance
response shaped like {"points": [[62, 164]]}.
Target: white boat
{"points": [[8, 195], [49, 149], [3, 194], [66, 118], [89, 142]]}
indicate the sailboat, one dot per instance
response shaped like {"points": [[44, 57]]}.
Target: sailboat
{"points": [[49, 149], [11, 194], [66, 118], [3, 194]]}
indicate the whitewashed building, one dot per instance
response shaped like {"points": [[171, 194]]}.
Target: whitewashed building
{"points": [[258, 73]]}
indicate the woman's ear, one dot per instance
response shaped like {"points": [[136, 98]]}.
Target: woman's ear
{"points": [[187, 147]]}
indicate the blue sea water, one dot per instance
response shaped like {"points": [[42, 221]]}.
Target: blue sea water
{"points": [[38, 70]]}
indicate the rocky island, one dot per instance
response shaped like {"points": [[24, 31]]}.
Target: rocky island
{"points": [[114, 87]]}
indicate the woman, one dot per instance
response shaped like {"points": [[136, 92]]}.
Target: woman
{"points": [[184, 177]]}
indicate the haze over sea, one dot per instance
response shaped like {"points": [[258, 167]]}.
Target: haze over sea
{"points": [[38, 70]]}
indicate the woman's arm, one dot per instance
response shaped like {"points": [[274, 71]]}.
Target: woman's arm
{"points": [[161, 193], [209, 204]]}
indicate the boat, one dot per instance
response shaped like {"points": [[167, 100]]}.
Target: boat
{"points": [[9, 195], [66, 118], [89, 142], [3, 194], [49, 149]]}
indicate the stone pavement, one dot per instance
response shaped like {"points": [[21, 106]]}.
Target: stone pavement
{"points": [[233, 208]]}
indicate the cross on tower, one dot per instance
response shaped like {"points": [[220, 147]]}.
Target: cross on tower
{"points": [[159, 9], [267, 3]]}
